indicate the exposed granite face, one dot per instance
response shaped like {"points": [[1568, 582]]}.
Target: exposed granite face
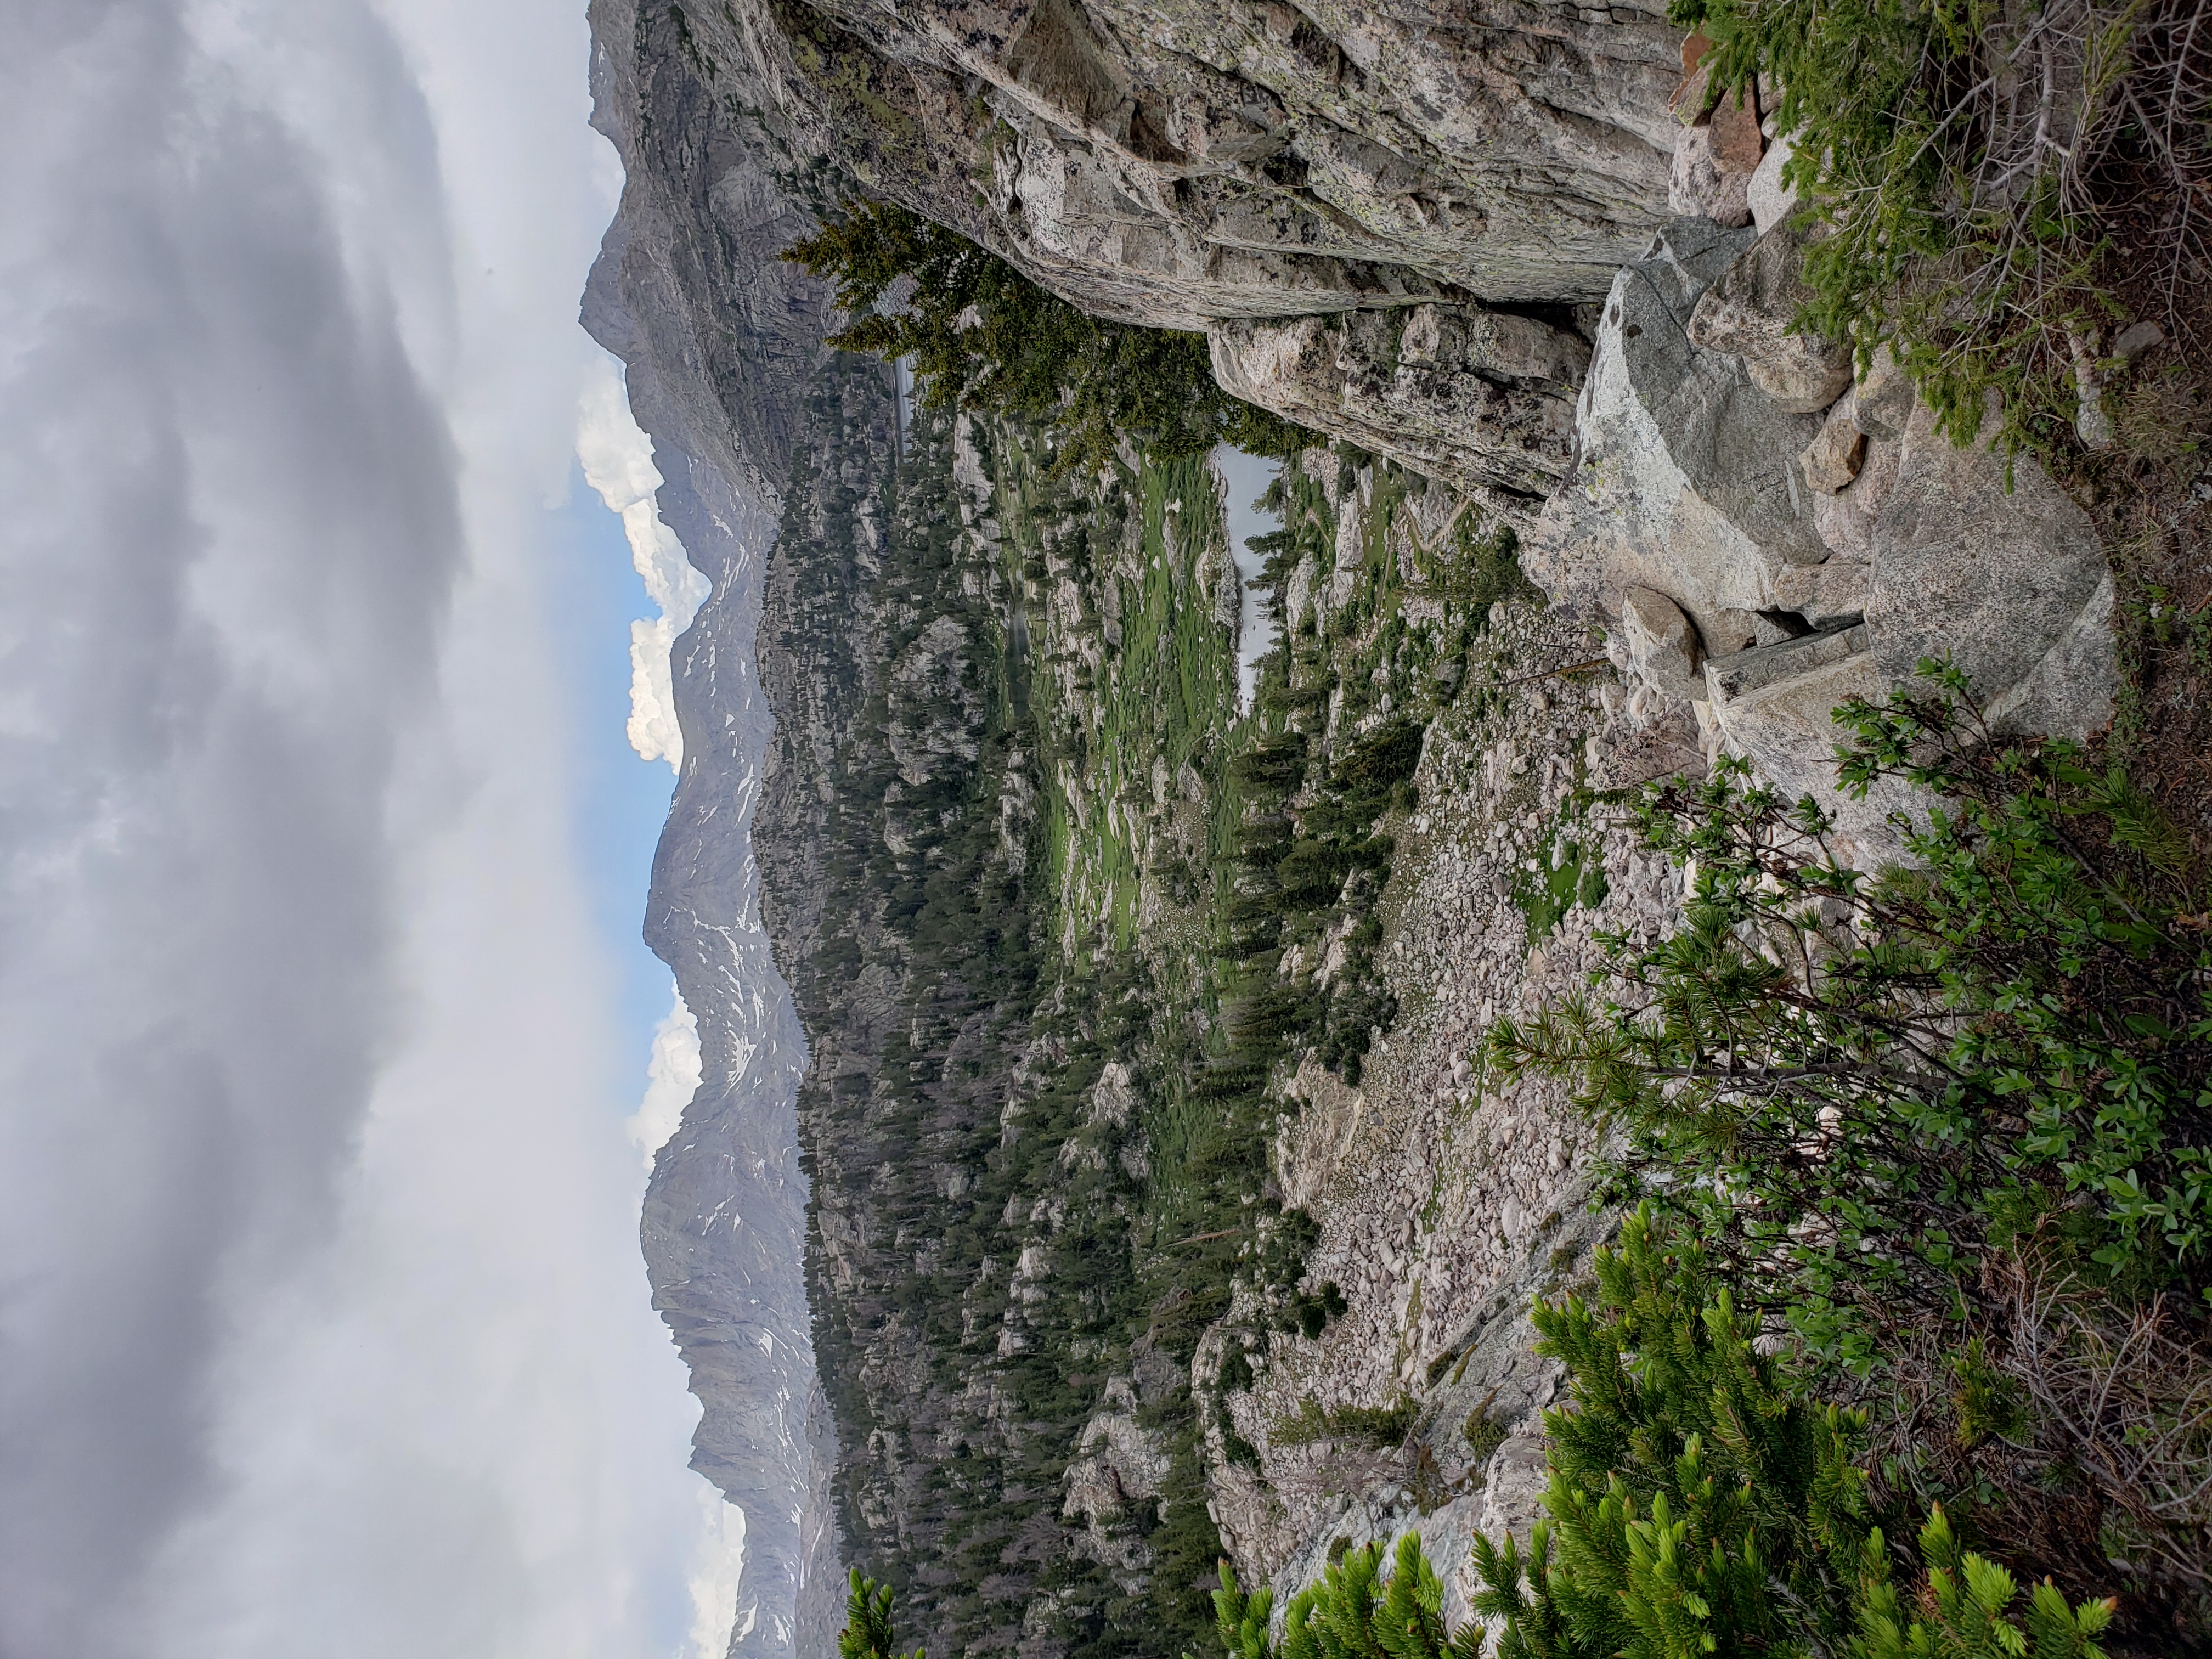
{"points": [[1175, 161], [1484, 400], [1209, 166], [1821, 539]]}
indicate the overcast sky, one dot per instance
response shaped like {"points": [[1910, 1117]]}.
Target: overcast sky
{"points": [[323, 1329]]}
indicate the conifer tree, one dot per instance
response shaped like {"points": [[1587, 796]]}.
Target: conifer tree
{"points": [[1704, 1505], [867, 1632], [981, 335]]}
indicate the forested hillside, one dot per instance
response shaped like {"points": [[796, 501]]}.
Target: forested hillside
{"points": [[945, 764]]}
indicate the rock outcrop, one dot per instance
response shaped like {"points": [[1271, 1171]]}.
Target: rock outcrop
{"points": [[1750, 313], [1205, 167], [719, 334], [1175, 164], [1822, 539], [1482, 399]]}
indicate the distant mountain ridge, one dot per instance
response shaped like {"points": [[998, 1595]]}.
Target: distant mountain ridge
{"points": [[726, 1210]]}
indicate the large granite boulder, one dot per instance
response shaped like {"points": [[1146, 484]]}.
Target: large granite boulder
{"points": [[1968, 554], [1690, 482], [1775, 704], [1817, 558], [1982, 557], [1751, 313]]}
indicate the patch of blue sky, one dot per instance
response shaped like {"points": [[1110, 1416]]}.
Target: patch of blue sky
{"points": [[593, 593]]}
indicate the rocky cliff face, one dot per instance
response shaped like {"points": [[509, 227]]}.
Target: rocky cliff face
{"points": [[1470, 243], [1397, 227], [1308, 188], [1179, 164]]}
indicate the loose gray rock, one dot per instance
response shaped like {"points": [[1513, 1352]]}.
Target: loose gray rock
{"points": [[1697, 183], [1838, 450], [1734, 124], [1751, 311], [2136, 338], [1883, 402], [1662, 648], [1771, 201]]}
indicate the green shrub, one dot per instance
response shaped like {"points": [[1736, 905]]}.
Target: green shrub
{"points": [[1309, 1313], [1696, 1488], [1353, 1613], [1984, 174], [867, 1632], [1949, 1125], [1968, 1604], [1860, 1086], [1702, 1502], [1485, 1433], [981, 335], [1377, 1425]]}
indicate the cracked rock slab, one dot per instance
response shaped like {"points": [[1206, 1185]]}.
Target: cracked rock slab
{"points": [[1981, 558], [1690, 482]]}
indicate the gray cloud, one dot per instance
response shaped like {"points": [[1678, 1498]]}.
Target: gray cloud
{"points": [[228, 535]]}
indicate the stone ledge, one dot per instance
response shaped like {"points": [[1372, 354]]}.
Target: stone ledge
{"points": [[1742, 673]]}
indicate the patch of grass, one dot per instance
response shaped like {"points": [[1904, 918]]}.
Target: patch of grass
{"points": [[1572, 875], [1373, 1425], [1484, 1433]]}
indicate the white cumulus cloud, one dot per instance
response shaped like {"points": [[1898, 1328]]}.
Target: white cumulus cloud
{"points": [[672, 1078], [716, 1570], [617, 462]]}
